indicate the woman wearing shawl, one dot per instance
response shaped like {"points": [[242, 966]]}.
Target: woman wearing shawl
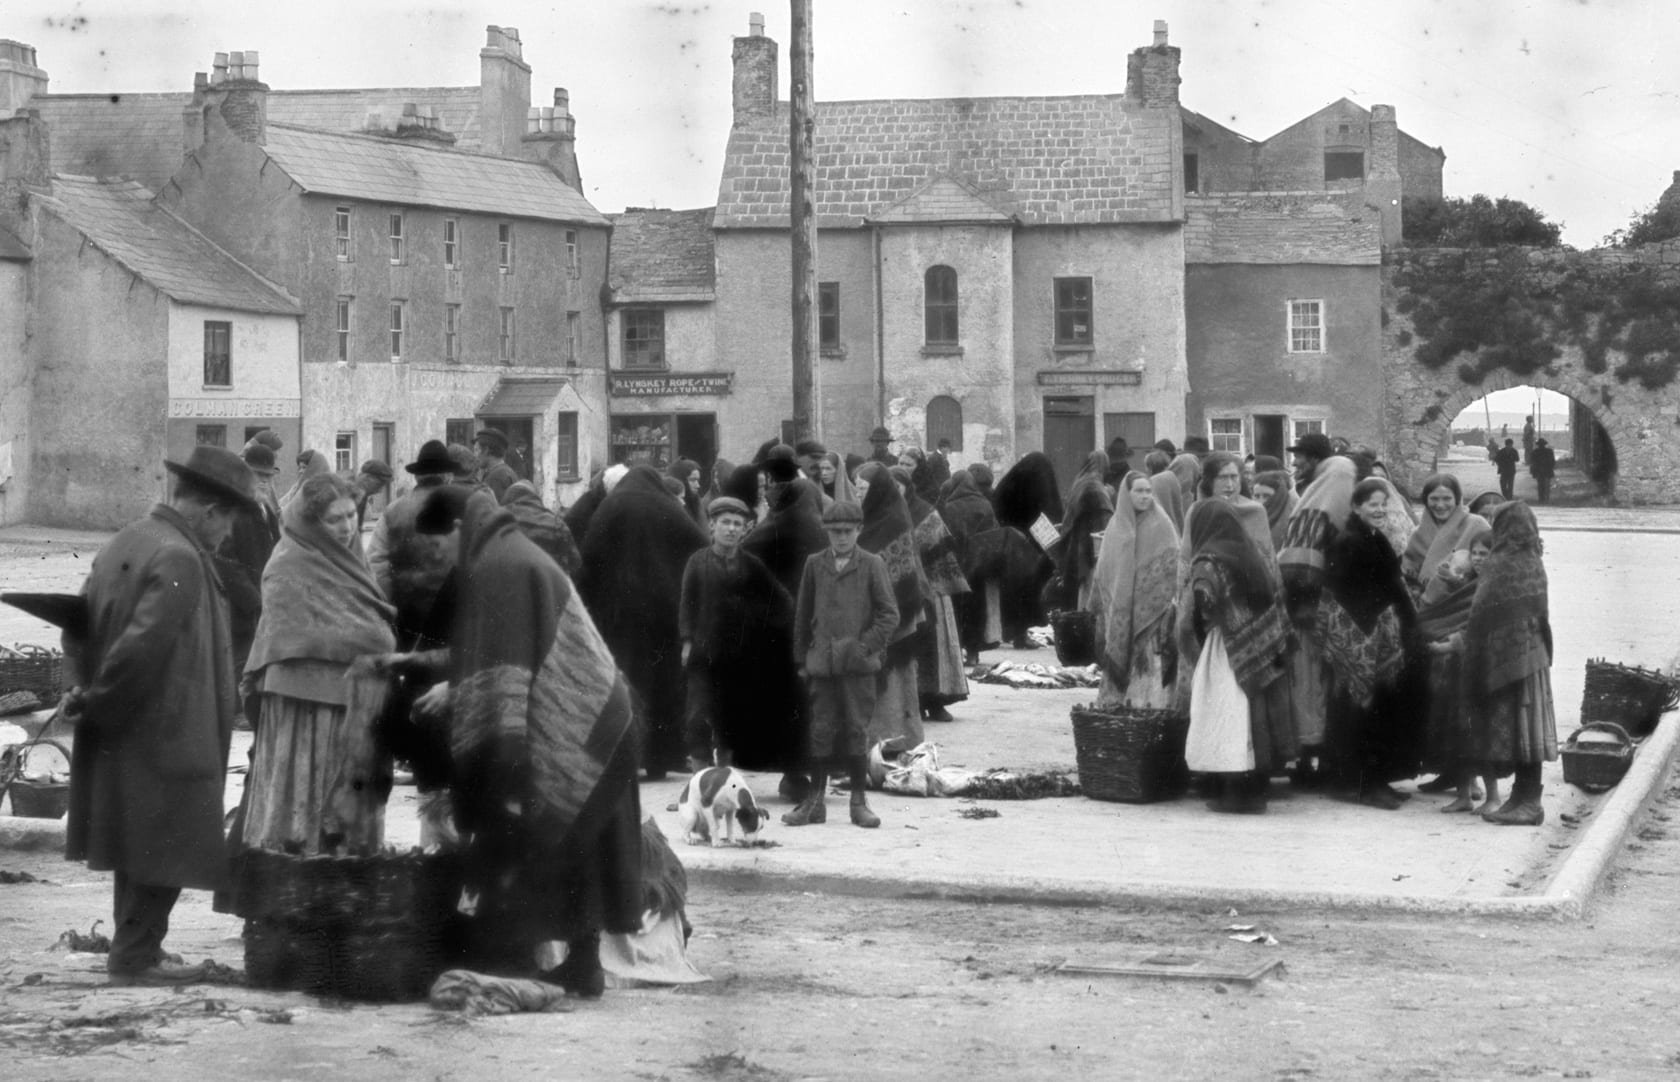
{"points": [[1302, 563], [542, 526], [969, 515], [1373, 736], [1232, 632], [983, 482], [310, 464], [1508, 665], [722, 470], [793, 530], [687, 473], [631, 580], [1442, 624], [1447, 527], [835, 481], [1132, 598], [889, 533], [318, 781], [1400, 523], [1274, 492], [1090, 505], [1169, 496], [1026, 492], [923, 478], [940, 679]]}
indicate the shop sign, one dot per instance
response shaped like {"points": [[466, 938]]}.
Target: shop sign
{"points": [[234, 407], [625, 385]]}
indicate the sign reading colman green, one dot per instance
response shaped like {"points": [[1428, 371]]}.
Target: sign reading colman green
{"points": [[628, 385]]}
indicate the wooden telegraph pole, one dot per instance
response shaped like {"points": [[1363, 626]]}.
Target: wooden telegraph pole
{"points": [[802, 174]]}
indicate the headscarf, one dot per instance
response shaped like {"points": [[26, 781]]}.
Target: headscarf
{"points": [[1510, 633], [854, 463], [934, 543], [922, 477], [542, 526], [1188, 469], [310, 464], [1089, 510], [1400, 523], [889, 533], [967, 515], [1226, 564], [1028, 490], [320, 602], [982, 475], [1133, 584], [1169, 494], [1280, 505], [840, 491], [1318, 518], [682, 469]]}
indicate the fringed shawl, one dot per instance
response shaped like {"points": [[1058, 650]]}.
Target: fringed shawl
{"points": [[943, 574], [1226, 567], [1510, 633], [320, 601], [1169, 496], [1134, 584], [889, 533], [1319, 517]]}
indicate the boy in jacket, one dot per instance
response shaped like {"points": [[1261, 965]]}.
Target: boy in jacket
{"points": [[844, 616]]}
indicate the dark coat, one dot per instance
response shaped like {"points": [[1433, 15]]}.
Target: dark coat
{"points": [[1543, 462], [409, 566], [788, 537], [497, 479], [239, 563], [1505, 460], [844, 618], [150, 757]]}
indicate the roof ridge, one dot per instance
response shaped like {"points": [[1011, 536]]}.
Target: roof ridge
{"points": [[388, 141]]}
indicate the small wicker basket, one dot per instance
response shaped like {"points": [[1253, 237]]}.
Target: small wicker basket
{"points": [[1597, 765], [1132, 756], [1629, 696], [34, 798]]}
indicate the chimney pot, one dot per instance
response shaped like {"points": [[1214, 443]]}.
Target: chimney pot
{"points": [[533, 120], [250, 64], [219, 69], [755, 24], [1160, 31], [562, 101]]}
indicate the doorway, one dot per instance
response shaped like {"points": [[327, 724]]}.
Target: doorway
{"points": [[1137, 429], [1070, 433], [521, 437], [384, 447], [1271, 434], [697, 440]]}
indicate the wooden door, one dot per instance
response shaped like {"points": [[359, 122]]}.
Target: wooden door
{"points": [[1070, 433]]}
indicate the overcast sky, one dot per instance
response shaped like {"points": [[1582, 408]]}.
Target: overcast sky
{"points": [[1568, 104]]}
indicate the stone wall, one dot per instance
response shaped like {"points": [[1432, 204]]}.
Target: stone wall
{"points": [[1420, 402]]}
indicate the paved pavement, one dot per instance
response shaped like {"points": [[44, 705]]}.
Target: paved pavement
{"points": [[1612, 595]]}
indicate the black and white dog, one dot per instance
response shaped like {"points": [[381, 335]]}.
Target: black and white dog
{"points": [[713, 801]]}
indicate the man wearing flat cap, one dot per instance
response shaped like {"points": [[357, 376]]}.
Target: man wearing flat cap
{"points": [[493, 471], [153, 702]]}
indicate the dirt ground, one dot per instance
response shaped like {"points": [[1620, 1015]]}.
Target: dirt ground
{"points": [[809, 987]]}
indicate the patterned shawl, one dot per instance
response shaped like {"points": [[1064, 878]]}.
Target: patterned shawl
{"points": [[1510, 631], [1439, 584], [1226, 566], [1360, 611], [1400, 522], [943, 575], [1135, 578], [889, 533], [1317, 519], [319, 600], [1169, 496], [1433, 542], [1280, 505]]}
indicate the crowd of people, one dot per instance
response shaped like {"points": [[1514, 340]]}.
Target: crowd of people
{"points": [[783, 615]]}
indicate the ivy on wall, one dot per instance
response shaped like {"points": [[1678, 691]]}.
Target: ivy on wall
{"points": [[1491, 309]]}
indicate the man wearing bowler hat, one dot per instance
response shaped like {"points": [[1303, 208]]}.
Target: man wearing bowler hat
{"points": [[878, 441], [154, 697], [409, 566], [493, 472], [1310, 450]]}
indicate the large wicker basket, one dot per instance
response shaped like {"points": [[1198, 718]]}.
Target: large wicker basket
{"points": [[1629, 696], [1076, 636], [1597, 765], [1132, 756], [35, 669]]}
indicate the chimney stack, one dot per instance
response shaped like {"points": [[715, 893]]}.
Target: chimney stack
{"points": [[418, 123], [1152, 72], [234, 93], [25, 166], [504, 92], [755, 73], [551, 138], [1382, 172], [20, 79]]}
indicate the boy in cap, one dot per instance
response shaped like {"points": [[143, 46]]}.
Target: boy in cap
{"points": [[842, 621]]}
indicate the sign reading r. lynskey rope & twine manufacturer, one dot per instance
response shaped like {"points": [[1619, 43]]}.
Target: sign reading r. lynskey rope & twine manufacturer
{"points": [[638, 386]]}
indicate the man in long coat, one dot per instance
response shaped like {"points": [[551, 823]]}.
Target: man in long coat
{"points": [[153, 706]]}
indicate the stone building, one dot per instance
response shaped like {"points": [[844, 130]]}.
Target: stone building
{"points": [[1003, 272]]}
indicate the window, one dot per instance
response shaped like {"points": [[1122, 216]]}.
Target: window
{"points": [[1302, 427], [459, 430], [452, 244], [211, 435], [396, 238], [452, 332], [344, 453], [828, 317], [218, 354], [1344, 165], [1192, 173], [1225, 434], [944, 422], [941, 306], [342, 325], [573, 270], [341, 230], [397, 315], [504, 336], [1073, 311], [1306, 326], [504, 247], [566, 440], [574, 339], [644, 338]]}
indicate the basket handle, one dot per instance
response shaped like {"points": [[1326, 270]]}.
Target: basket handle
{"points": [[1604, 727]]}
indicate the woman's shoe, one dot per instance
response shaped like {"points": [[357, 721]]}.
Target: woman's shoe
{"points": [[811, 810]]}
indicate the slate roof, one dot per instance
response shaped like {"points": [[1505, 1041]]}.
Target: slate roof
{"points": [[382, 170], [114, 135], [1282, 228], [1045, 160], [120, 218], [943, 200], [662, 255], [514, 396], [347, 110]]}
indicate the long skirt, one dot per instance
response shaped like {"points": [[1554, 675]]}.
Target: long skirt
{"points": [[1148, 689], [1308, 690], [308, 790], [940, 678], [898, 713], [1515, 725], [1447, 745]]}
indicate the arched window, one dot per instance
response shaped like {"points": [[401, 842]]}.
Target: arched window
{"points": [[941, 306], [944, 422]]}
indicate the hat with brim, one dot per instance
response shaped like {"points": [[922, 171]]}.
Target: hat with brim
{"points": [[727, 505], [880, 435], [260, 458], [1314, 445], [781, 470], [218, 470], [434, 458]]}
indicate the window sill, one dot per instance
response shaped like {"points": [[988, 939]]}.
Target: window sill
{"points": [[942, 351], [1074, 347], [645, 369], [1307, 352], [837, 353], [218, 386]]}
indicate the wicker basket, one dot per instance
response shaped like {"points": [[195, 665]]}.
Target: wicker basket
{"points": [[36, 669], [1076, 636], [1132, 756], [1597, 765], [34, 798], [1631, 697]]}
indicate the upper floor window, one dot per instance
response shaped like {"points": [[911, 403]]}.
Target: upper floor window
{"points": [[644, 338], [397, 254], [341, 327], [218, 353], [1344, 165], [341, 232], [504, 337], [940, 303], [574, 339], [828, 316], [1306, 326], [1192, 173], [451, 332], [452, 243], [573, 268], [1073, 311], [504, 247], [398, 315]]}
